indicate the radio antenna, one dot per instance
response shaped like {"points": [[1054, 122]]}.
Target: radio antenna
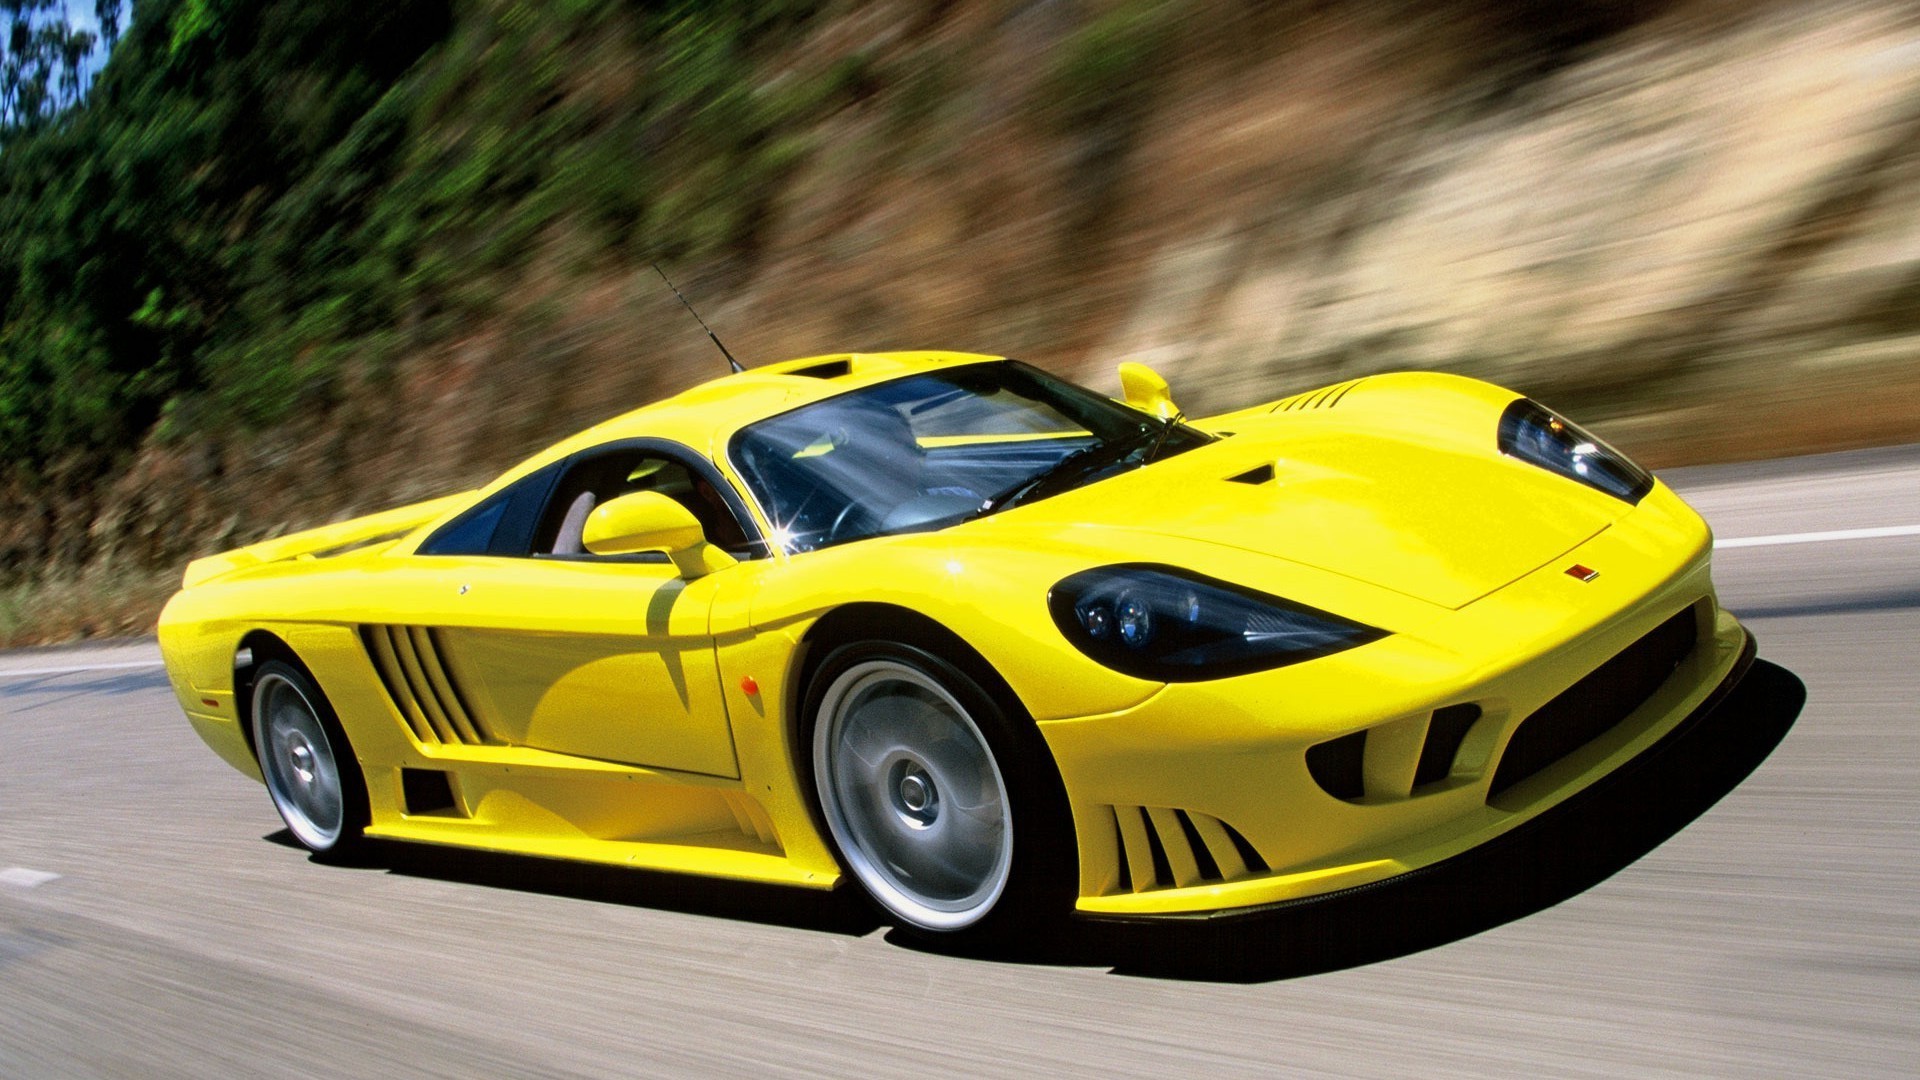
{"points": [[731, 362]]}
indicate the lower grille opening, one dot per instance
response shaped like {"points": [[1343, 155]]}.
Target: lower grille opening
{"points": [[426, 791], [1591, 707]]}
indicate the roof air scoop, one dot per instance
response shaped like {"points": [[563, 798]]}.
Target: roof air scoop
{"points": [[832, 369]]}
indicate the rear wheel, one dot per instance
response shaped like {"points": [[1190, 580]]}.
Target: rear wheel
{"points": [[306, 761], [947, 812]]}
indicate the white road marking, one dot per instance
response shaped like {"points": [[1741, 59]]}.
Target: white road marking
{"points": [[1819, 537], [81, 667], [22, 878]]}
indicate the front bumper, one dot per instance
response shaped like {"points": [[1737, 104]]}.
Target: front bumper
{"points": [[1556, 853], [1201, 798]]}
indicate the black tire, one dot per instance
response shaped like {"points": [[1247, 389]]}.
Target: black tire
{"points": [[308, 765], [939, 796]]}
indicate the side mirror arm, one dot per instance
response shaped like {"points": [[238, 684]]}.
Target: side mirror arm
{"points": [[700, 560]]}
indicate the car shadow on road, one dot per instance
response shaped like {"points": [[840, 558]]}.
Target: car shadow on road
{"points": [[1558, 856], [838, 912]]}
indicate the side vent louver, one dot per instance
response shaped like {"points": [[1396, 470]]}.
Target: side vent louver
{"points": [[1166, 848], [1261, 475], [1324, 398], [408, 660]]}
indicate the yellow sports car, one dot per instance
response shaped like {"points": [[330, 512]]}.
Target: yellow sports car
{"points": [[992, 645]]}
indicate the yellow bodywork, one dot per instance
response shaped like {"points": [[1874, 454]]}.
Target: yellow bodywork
{"points": [[642, 713]]}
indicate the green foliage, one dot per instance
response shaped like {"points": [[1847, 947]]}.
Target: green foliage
{"points": [[195, 19], [261, 198], [129, 230]]}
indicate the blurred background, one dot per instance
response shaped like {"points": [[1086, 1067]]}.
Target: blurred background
{"points": [[269, 263]]}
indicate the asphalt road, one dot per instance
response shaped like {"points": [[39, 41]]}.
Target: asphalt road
{"points": [[1777, 934]]}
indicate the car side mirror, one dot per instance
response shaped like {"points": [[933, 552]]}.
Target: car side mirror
{"points": [[1145, 390], [650, 521]]}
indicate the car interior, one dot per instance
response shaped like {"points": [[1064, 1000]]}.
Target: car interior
{"points": [[610, 475]]}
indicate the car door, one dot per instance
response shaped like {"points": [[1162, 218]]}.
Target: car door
{"points": [[547, 646]]}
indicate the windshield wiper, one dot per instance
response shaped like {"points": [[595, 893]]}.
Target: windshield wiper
{"points": [[1082, 462], [1160, 437]]}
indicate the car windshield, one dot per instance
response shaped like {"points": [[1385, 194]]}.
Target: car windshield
{"points": [[932, 450]]}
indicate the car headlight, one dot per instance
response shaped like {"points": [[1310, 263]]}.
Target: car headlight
{"points": [[1170, 625], [1535, 434]]}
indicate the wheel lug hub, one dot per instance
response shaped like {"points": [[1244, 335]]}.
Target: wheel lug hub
{"points": [[915, 792], [914, 796]]}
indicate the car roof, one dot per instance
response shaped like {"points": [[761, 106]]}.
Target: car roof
{"points": [[703, 417]]}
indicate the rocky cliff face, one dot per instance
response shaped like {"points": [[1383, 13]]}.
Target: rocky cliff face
{"points": [[1688, 218], [1694, 223], [1700, 228]]}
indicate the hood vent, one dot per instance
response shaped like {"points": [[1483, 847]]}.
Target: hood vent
{"points": [[1324, 398], [1256, 477]]}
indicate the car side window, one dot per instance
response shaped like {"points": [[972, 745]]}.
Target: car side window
{"points": [[597, 476], [499, 525]]}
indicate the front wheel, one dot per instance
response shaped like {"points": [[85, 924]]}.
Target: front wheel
{"points": [[948, 813], [306, 762]]}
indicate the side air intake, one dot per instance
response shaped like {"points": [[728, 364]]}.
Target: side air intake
{"points": [[408, 660]]}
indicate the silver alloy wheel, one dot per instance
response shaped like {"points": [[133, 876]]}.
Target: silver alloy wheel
{"points": [[297, 761], [912, 795]]}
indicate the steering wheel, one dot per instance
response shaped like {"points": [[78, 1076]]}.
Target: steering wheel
{"points": [[839, 522]]}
